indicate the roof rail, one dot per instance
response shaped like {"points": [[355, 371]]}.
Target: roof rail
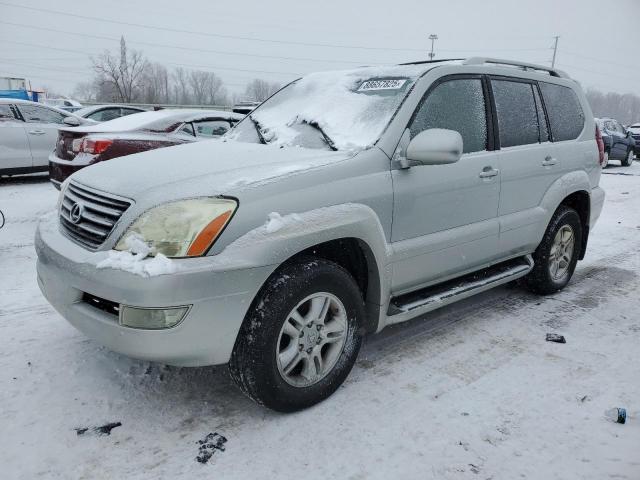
{"points": [[554, 72]]}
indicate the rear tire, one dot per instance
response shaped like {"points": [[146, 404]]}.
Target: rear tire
{"points": [[628, 159], [556, 257], [301, 336], [605, 162]]}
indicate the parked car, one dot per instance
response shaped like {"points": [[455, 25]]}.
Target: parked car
{"points": [[82, 146], [618, 141], [245, 107], [347, 202], [104, 113], [635, 133], [66, 104], [28, 133]]}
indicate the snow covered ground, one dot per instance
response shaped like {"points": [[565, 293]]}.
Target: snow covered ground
{"points": [[472, 391]]}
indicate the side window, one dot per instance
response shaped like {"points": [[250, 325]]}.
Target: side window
{"points": [[6, 113], [455, 105], [542, 117], [38, 114], [212, 128], [128, 111], [188, 129], [517, 114], [105, 114], [565, 112]]}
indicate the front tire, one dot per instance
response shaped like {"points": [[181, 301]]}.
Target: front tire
{"points": [[556, 257], [605, 162], [301, 336], [628, 159]]}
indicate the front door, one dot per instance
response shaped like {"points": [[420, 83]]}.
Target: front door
{"points": [[445, 216], [41, 126], [14, 145]]}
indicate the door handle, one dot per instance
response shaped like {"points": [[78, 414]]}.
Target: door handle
{"points": [[488, 172], [549, 161], [36, 132]]}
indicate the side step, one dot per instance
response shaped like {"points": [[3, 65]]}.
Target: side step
{"points": [[413, 304]]}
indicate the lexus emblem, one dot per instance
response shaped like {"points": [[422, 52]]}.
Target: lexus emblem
{"points": [[75, 214]]}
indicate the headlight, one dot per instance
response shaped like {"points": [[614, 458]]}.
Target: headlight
{"points": [[186, 228]]}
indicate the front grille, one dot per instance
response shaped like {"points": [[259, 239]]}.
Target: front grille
{"points": [[88, 216]]}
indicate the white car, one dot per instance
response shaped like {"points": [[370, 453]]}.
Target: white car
{"points": [[347, 202], [28, 134]]}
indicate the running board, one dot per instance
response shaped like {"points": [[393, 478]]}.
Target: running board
{"points": [[410, 305]]}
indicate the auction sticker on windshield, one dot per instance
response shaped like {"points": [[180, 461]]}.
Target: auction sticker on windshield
{"points": [[382, 84]]}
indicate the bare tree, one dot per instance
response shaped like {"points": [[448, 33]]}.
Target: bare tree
{"points": [[623, 107], [85, 91], [155, 84], [124, 74], [259, 90], [181, 94], [206, 88]]}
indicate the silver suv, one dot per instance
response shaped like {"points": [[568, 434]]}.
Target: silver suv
{"points": [[346, 202]]}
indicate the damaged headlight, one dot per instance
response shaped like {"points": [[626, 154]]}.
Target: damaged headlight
{"points": [[186, 228]]}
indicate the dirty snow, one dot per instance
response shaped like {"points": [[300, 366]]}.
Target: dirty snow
{"points": [[135, 259], [472, 391]]}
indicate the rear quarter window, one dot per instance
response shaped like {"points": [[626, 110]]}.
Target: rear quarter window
{"points": [[566, 116]]}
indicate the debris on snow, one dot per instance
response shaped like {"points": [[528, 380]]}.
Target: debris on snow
{"points": [[209, 445], [554, 337], [101, 430]]}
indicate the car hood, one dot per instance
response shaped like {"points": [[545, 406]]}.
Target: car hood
{"points": [[211, 167]]}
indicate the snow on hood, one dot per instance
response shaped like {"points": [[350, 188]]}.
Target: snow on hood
{"points": [[214, 166]]}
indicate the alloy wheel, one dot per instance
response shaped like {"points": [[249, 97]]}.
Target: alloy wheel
{"points": [[311, 339], [561, 252]]}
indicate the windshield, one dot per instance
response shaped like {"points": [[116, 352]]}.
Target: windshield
{"points": [[331, 110]]}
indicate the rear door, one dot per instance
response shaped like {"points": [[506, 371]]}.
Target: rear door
{"points": [[14, 145], [526, 160], [41, 125]]}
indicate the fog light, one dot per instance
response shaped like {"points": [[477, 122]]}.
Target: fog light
{"points": [[151, 318]]}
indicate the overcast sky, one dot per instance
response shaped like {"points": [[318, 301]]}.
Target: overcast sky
{"points": [[279, 40]]}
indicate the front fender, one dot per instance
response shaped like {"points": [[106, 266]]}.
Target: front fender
{"points": [[281, 238]]}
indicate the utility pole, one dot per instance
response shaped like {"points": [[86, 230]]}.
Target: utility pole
{"points": [[433, 38], [555, 50]]}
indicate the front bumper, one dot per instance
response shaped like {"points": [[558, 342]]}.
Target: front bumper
{"points": [[219, 300]]}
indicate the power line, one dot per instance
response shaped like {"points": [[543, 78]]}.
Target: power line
{"points": [[207, 34], [160, 45], [599, 60], [185, 64]]}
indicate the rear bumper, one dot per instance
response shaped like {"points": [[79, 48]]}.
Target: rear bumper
{"points": [[60, 170]]}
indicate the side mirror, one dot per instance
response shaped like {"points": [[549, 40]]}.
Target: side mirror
{"points": [[71, 121], [435, 146]]}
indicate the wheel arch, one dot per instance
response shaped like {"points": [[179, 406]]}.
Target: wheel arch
{"points": [[580, 201], [349, 235]]}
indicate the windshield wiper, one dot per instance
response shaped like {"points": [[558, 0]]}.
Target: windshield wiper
{"points": [[258, 129], [326, 137]]}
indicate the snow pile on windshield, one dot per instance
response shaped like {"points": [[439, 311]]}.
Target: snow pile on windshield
{"points": [[134, 259], [352, 107]]}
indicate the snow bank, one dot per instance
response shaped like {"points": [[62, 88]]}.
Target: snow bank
{"points": [[134, 259]]}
